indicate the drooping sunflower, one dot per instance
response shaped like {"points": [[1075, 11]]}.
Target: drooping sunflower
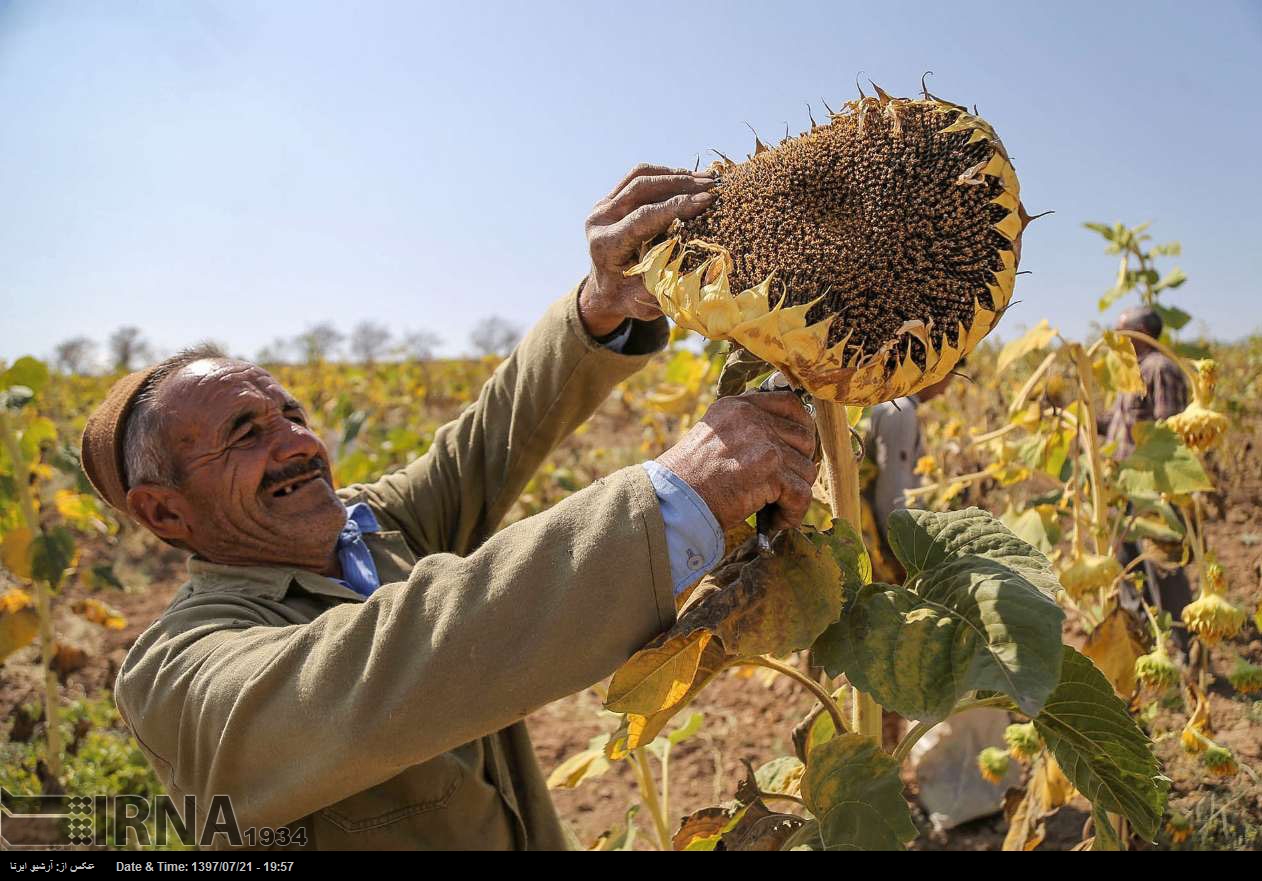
{"points": [[862, 258]]}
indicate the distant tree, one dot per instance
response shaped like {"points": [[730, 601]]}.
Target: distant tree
{"points": [[275, 352], [75, 355], [420, 345], [128, 348], [494, 336], [320, 342], [369, 341]]}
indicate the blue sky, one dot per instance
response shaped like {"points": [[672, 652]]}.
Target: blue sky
{"points": [[241, 170]]}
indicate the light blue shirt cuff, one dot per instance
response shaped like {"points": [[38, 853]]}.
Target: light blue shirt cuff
{"points": [[694, 541]]}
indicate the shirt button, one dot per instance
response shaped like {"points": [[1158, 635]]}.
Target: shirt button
{"points": [[694, 560]]}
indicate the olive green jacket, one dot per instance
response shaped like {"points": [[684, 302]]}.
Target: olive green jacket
{"points": [[396, 721]]}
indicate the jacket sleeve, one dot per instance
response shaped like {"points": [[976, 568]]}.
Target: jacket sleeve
{"points": [[455, 495], [289, 719]]}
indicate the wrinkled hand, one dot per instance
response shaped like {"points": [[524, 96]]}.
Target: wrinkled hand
{"points": [[748, 451], [644, 204]]}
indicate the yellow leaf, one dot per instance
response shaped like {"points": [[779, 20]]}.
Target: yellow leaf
{"points": [[78, 509], [1115, 367], [658, 676], [18, 622], [1033, 340], [591, 762], [15, 551], [1113, 646], [99, 613]]}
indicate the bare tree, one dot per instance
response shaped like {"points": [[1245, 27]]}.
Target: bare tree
{"points": [[368, 341], [420, 345], [75, 355], [127, 347], [494, 336], [319, 342], [275, 352]]}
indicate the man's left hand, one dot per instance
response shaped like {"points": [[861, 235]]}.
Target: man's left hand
{"points": [[645, 203]]}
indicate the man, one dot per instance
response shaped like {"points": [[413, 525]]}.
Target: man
{"points": [[894, 446], [354, 666], [1165, 394]]}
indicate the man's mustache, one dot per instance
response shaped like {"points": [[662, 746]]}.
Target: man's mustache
{"points": [[314, 466]]}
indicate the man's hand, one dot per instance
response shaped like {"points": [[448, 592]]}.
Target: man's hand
{"points": [[644, 204], [748, 451]]}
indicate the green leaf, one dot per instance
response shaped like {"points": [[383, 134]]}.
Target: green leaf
{"points": [[622, 836], [855, 793], [1101, 748], [686, 730], [1161, 464], [25, 371], [1169, 249], [1171, 280], [1102, 228], [971, 617], [739, 370], [52, 553], [973, 624], [779, 774], [924, 539], [1172, 317]]}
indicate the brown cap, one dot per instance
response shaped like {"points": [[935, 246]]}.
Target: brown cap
{"points": [[102, 454]]}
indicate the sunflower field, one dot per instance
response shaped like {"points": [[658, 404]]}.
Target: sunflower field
{"points": [[792, 720]]}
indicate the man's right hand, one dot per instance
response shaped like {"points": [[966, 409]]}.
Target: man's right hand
{"points": [[748, 451]]}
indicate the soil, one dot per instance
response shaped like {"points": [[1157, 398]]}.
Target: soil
{"points": [[750, 717]]}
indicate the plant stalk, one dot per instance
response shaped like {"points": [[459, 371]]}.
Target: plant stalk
{"points": [[1087, 431], [842, 471], [43, 596], [839, 721], [648, 792]]}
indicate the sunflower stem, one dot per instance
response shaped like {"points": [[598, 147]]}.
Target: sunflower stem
{"points": [[843, 492]]}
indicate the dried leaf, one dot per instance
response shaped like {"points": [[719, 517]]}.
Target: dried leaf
{"points": [[1113, 646]]}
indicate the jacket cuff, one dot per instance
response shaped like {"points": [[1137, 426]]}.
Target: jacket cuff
{"points": [[644, 496], [646, 338]]}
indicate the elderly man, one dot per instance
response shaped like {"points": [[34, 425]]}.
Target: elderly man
{"points": [[1165, 394], [353, 666]]}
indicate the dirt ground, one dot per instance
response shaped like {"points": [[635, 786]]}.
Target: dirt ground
{"points": [[750, 718]]}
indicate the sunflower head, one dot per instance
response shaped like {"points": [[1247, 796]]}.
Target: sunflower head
{"points": [[993, 764], [1023, 741], [1212, 618], [1089, 572], [1156, 671], [1246, 678], [863, 259], [1179, 828], [1198, 426], [1219, 762]]}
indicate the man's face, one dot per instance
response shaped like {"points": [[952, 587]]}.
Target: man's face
{"points": [[253, 481]]}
